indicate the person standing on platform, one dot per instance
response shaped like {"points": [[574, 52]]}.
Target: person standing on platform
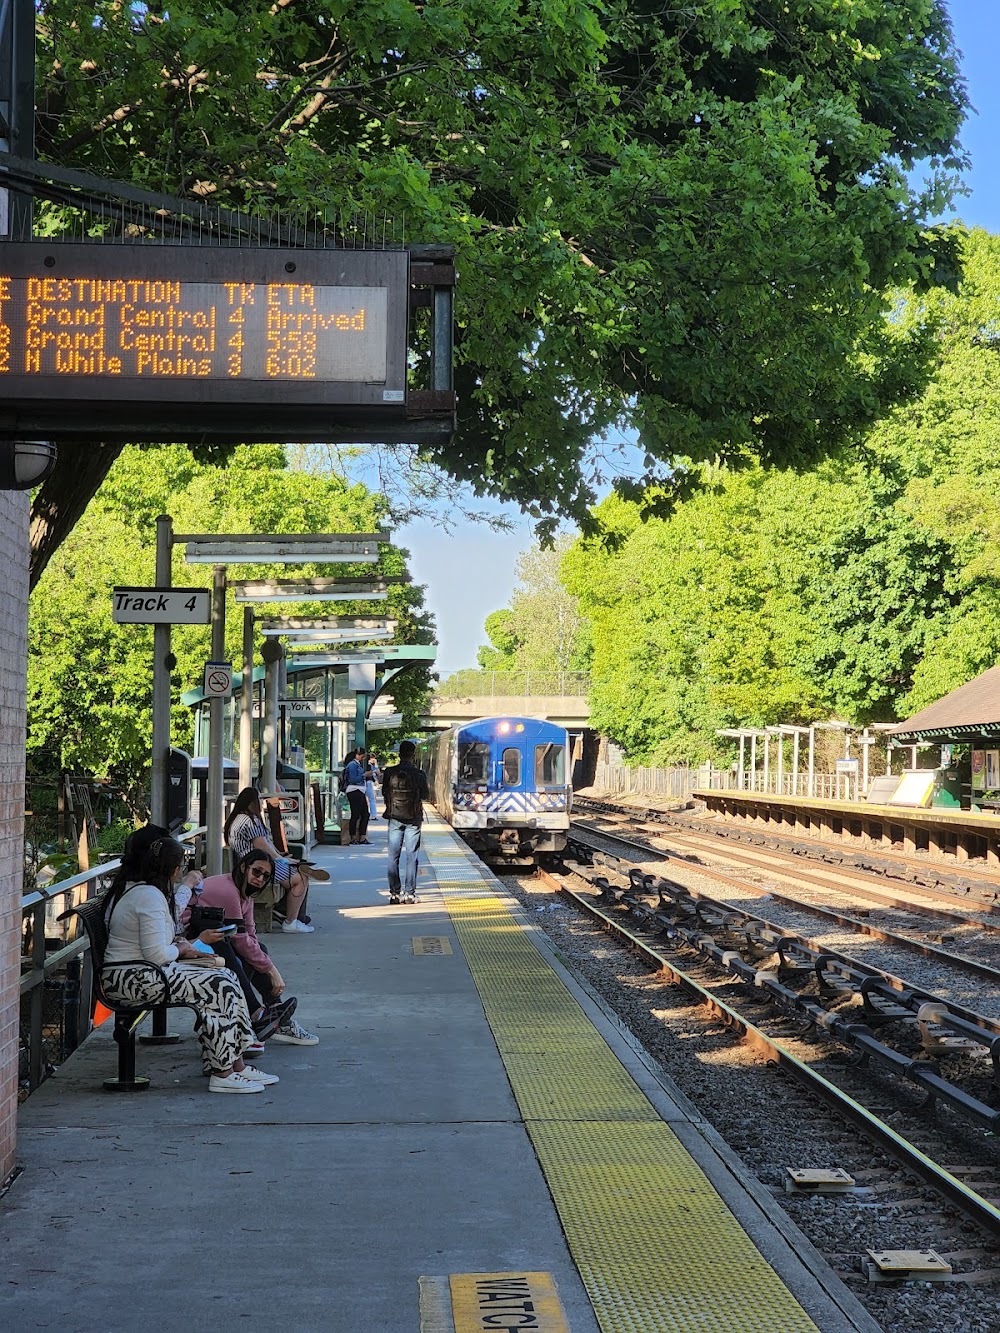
{"points": [[404, 788], [357, 795], [372, 775]]}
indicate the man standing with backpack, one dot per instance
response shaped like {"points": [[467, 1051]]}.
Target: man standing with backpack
{"points": [[404, 788]]}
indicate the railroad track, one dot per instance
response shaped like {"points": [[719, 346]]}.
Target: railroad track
{"points": [[973, 884], [888, 1000], [920, 1181], [841, 900]]}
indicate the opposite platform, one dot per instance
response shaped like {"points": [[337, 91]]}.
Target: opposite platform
{"points": [[400, 1148]]}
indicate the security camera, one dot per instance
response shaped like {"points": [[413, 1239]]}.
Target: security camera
{"points": [[25, 463]]}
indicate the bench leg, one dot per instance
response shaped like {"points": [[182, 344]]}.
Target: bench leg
{"points": [[159, 1035], [126, 1080]]}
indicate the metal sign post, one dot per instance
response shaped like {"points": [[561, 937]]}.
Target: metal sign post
{"points": [[246, 702], [215, 793], [162, 664]]}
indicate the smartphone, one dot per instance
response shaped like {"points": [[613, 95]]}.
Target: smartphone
{"points": [[226, 931]]}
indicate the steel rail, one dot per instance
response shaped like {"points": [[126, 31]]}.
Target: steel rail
{"points": [[773, 859], [971, 1204], [984, 891], [986, 881], [969, 1018], [826, 913]]}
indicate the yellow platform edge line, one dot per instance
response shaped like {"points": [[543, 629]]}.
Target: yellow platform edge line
{"points": [[657, 1248]]}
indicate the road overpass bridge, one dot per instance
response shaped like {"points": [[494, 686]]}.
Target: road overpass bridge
{"points": [[550, 696], [566, 710]]}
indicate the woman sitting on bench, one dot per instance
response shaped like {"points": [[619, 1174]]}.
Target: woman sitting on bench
{"points": [[141, 930], [234, 893], [245, 831]]}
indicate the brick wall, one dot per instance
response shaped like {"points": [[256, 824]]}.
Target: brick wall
{"points": [[13, 656]]}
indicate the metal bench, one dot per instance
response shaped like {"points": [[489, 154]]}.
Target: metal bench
{"points": [[127, 1017]]}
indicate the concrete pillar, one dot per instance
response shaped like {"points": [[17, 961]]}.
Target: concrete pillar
{"points": [[909, 839], [934, 847], [13, 667]]}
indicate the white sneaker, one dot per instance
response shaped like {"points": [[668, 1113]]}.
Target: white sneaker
{"points": [[294, 1035], [296, 928], [233, 1083], [259, 1076]]}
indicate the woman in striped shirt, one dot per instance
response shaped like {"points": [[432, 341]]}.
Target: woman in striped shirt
{"points": [[245, 831]]}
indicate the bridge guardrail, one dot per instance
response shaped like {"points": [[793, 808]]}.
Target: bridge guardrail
{"points": [[513, 684]]}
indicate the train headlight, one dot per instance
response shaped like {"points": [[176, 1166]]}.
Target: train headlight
{"points": [[503, 728]]}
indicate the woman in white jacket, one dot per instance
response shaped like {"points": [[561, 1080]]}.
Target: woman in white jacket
{"points": [[147, 963]]}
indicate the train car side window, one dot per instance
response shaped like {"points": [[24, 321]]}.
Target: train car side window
{"points": [[512, 768], [550, 765], [473, 761]]}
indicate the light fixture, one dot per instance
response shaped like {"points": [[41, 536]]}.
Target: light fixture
{"points": [[296, 638], [314, 590], [25, 463], [323, 548]]}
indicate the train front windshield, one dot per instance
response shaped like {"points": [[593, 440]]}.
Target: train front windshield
{"points": [[473, 762], [550, 765]]}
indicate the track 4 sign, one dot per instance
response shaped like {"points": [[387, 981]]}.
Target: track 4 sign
{"points": [[161, 606]]}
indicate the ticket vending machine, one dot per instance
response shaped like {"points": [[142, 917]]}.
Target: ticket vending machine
{"points": [[199, 787]]}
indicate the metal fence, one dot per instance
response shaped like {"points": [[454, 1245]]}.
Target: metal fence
{"points": [[519, 684], [55, 979], [679, 783]]}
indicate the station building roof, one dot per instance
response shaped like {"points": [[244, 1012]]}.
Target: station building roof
{"points": [[970, 712]]}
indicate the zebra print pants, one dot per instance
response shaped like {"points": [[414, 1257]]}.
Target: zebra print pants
{"points": [[221, 1018]]}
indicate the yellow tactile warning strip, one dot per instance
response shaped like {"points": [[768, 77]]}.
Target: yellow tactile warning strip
{"points": [[506, 1303], [657, 1248]]}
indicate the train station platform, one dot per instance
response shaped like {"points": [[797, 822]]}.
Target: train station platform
{"points": [[473, 1145], [945, 835]]}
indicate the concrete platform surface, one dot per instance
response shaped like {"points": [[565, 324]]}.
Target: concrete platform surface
{"points": [[392, 1151]]}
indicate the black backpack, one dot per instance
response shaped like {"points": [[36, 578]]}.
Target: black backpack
{"points": [[402, 789]]}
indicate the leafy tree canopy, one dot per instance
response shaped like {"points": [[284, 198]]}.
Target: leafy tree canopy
{"points": [[773, 597], [865, 591], [680, 218], [89, 682], [542, 630]]}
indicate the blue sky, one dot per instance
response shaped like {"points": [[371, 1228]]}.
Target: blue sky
{"points": [[470, 572]]}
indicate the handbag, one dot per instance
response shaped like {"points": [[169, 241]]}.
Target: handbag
{"points": [[204, 918]]}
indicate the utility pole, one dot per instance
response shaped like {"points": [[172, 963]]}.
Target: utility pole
{"points": [[17, 108], [162, 666]]}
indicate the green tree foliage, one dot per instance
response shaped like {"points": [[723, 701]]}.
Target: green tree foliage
{"points": [[501, 630], [945, 446], [542, 630], [773, 597], [681, 218], [89, 685]]}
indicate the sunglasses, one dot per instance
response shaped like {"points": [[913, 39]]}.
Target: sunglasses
{"points": [[259, 872]]}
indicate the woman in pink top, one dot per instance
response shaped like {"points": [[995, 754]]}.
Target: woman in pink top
{"points": [[234, 894]]}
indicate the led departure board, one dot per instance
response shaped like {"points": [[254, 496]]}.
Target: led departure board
{"points": [[171, 342], [156, 329]]}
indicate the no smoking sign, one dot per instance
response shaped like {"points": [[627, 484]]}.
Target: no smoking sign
{"points": [[218, 680]]}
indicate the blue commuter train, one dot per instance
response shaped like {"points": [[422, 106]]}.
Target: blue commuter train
{"points": [[502, 784]]}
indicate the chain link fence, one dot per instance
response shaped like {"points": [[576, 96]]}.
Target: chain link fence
{"points": [[516, 684]]}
